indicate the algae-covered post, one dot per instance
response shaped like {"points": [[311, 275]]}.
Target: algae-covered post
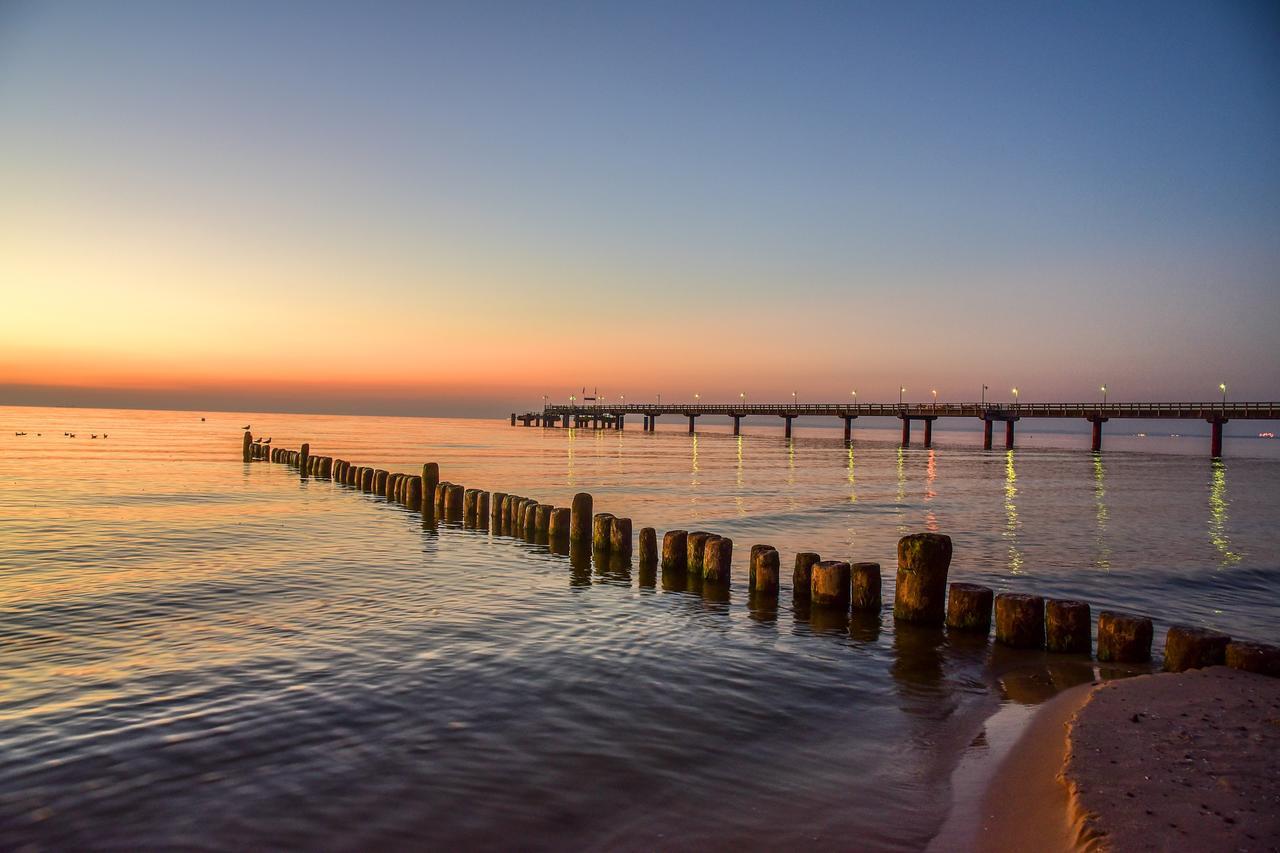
{"points": [[969, 607], [647, 554], [413, 494], [303, 455], [247, 448], [580, 518], [675, 555], [601, 531], [558, 525], [1067, 626], [620, 538], [1123, 638], [1186, 648], [1020, 620], [921, 593], [865, 582], [717, 559], [830, 584], [802, 575], [697, 544], [765, 580]]}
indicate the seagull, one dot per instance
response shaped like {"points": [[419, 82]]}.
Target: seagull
{"points": [[71, 434], [93, 436], [246, 426], [266, 440]]}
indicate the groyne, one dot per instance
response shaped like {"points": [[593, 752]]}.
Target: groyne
{"points": [[830, 589]]}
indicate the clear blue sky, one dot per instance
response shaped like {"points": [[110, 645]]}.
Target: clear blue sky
{"points": [[732, 196]]}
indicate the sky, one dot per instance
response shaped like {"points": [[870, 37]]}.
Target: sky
{"points": [[455, 209]]}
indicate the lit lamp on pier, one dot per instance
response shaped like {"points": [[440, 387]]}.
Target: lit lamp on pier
{"points": [[1104, 396], [935, 398], [1222, 386], [901, 390], [1015, 396]]}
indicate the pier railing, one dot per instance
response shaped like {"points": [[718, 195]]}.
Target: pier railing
{"points": [[1189, 410]]}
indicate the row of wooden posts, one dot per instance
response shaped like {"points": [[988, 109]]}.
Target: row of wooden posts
{"points": [[922, 594]]}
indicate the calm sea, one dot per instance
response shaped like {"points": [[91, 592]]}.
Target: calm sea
{"points": [[199, 652]]}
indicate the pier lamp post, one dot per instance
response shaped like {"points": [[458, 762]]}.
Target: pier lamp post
{"points": [[742, 395], [544, 401], [1222, 386], [854, 394], [1015, 396], [901, 390], [696, 398], [793, 399], [935, 398], [1104, 396], [984, 396]]}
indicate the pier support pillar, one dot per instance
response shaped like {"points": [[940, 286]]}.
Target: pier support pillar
{"points": [[986, 433], [1096, 444], [928, 433], [737, 424], [621, 422], [848, 430], [1215, 447], [691, 420], [1008, 434], [788, 419], [906, 432], [513, 418]]}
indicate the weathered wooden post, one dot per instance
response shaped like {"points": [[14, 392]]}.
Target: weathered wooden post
{"points": [[441, 498], [1068, 626], [697, 542], [470, 499], [969, 607], [675, 551], [1254, 657], [495, 521], [304, 456], [453, 501], [921, 593], [830, 584], [246, 447], [366, 480], [580, 518], [752, 559], [865, 586], [802, 576], [379, 482], [648, 550], [1123, 638], [558, 526], [717, 559], [1020, 620], [529, 519], [482, 510], [620, 539], [393, 486], [1186, 647], [542, 521], [430, 477], [601, 530], [413, 494], [764, 574]]}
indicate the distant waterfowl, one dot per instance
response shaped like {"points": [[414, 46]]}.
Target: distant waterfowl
{"points": [[202, 419], [246, 426], [93, 436], [19, 433]]}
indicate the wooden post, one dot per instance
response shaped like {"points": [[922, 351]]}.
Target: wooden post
{"points": [[648, 555], [529, 521], [969, 607], [1186, 648], [802, 577], [752, 560], [304, 456], [921, 593], [558, 525], [601, 531], [453, 501], [246, 447], [830, 584], [675, 551], [717, 559], [495, 520], [366, 480], [620, 538], [1068, 626], [697, 545], [1254, 657], [580, 518], [764, 572], [413, 494], [1123, 638], [430, 478], [1020, 620], [470, 499], [482, 510], [379, 481], [865, 578], [542, 521]]}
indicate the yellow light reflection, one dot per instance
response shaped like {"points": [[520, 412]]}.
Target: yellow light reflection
{"points": [[1012, 524], [1218, 505], [902, 490], [853, 482], [570, 477], [930, 492], [737, 498], [1103, 558]]}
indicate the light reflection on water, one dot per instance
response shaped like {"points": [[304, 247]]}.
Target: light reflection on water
{"points": [[197, 651]]}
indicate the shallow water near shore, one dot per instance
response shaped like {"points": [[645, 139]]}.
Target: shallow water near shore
{"points": [[198, 651]]}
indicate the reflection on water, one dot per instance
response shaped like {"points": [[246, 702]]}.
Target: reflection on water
{"points": [[1218, 504], [853, 482], [739, 500], [1102, 560], [930, 480], [900, 498], [1011, 524]]}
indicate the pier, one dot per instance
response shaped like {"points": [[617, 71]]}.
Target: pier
{"points": [[613, 416]]}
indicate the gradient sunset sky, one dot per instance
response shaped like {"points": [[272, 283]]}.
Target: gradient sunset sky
{"points": [[457, 208]]}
